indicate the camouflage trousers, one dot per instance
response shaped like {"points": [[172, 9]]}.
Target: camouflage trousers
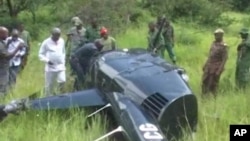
{"points": [[242, 76], [210, 83], [169, 48], [4, 82]]}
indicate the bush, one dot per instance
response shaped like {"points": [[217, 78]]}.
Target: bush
{"points": [[202, 11]]}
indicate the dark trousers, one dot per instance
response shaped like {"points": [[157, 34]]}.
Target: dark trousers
{"points": [[210, 83], [79, 71], [13, 72]]}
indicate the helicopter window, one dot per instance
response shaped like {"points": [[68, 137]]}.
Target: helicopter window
{"points": [[103, 81]]}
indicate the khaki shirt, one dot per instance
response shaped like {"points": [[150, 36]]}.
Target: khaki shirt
{"points": [[25, 35], [76, 37], [217, 56], [108, 44]]}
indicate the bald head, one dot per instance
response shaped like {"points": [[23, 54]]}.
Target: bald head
{"points": [[4, 32], [56, 33], [98, 44]]}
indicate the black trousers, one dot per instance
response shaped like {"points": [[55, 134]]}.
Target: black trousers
{"points": [[79, 70]]}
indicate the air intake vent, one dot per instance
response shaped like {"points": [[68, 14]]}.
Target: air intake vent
{"points": [[154, 104]]}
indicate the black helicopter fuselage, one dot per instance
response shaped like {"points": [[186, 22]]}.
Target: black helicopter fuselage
{"points": [[145, 91], [150, 98]]}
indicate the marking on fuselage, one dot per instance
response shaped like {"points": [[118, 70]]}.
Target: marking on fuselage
{"points": [[150, 131]]}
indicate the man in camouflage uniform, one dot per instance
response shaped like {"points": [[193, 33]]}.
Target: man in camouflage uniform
{"points": [[4, 60], [215, 63], [92, 33], [76, 36], [243, 60], [25, 36], [168, 35], [159, 46]]}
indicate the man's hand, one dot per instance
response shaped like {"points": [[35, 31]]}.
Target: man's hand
{"points": [[21, 45], [50, 63], [155, 50]]}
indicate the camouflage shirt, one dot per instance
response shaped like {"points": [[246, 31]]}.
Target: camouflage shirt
{"points": [[244, 51], [25, 35], [77, 37], [92, 34], [168, 34]]}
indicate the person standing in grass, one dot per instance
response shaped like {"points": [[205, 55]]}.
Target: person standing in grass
{"points": [[16, 62], [52, 52], [5, 56], [215, 63], [168, 35], [25, 36], [242, 74]]}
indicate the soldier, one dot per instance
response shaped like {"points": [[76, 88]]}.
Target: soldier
{"points": [[4, 60], [25, 36], [108, 42], [215, 63], [242, 73], [92, 33], [80, 61], [159, 47], [168, 34], [76, 36]]}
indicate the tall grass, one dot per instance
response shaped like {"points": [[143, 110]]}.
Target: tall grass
{"points": [[191, 48]]}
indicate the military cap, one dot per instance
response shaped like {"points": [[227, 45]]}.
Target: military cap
{"points": [[74, 19], [244, 31], [218, 30]]}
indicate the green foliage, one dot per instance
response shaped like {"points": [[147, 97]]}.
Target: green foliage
{"points": [[241, 5], [202, 11], [9, 22]]}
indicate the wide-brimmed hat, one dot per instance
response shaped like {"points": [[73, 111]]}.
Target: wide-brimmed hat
{"points": [[78, 22], [218, 30]]}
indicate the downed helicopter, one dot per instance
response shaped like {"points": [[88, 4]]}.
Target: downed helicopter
{"points": [[149, 98]]}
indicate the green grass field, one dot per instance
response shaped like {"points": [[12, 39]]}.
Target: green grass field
{"points": [[192, 46]]}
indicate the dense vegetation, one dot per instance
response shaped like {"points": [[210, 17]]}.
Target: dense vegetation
{"points": [[193, 20]]}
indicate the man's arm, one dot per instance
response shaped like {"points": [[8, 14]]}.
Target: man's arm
{"points": [[42, 53], [64, 50], [4, 52], [172, 33], [224, 58]]}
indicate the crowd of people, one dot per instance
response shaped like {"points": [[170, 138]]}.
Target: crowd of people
{"points": [[14, 50], [84, 42]]}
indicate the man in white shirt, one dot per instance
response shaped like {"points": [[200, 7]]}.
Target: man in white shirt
{"points": [[15, 62], [52, 52]]}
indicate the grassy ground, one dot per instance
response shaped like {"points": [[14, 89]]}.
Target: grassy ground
{"points": [[192, 46]]}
